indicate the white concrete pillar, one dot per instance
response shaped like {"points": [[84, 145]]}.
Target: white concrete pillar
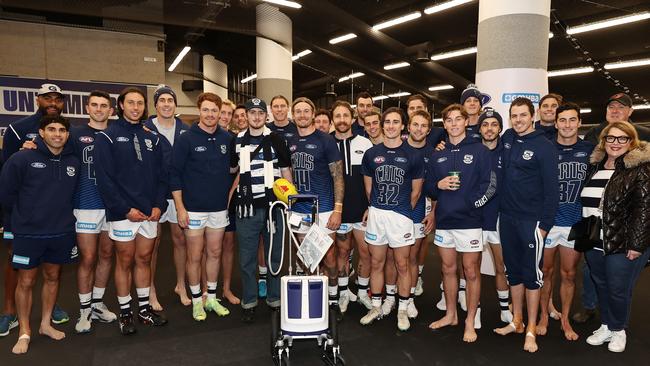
{"points": [[274, 51], [216, 71]]}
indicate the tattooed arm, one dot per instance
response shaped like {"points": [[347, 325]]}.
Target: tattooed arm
{"points": [[336, 170]]}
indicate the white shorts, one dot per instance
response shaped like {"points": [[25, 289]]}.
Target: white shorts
{"points": [[389, 227], [305, 222], [90, 221], [463, 240], [346, 228], [559, 235], [213, 220], [170, 214], [418, 229], [126, 230], [492, 237]]}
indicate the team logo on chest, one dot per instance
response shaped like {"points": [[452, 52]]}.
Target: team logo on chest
{"points": [[71, 171], [379, 159], [468, 158], [224, 149], [148, 144], [527, 154]]}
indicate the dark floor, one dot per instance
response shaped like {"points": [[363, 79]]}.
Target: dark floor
{"points": [[227, 341]]}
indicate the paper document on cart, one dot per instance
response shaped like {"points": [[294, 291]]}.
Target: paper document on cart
{"points": [[314, 246]]}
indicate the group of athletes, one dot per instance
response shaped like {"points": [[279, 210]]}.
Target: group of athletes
{"points": [[385, 181]]}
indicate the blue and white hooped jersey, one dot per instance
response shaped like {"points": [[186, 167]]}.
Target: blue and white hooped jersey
{"points": [[87, 195], [311, 156], [572, 168], [392, 171]]}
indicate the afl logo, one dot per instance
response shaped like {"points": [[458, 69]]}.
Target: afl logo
{"points": [[122, 139], [441, 160], [474, 242], [86, 139], [292, 148], [379, 159], [407, 235], [310, 146], [200, 148], [360, 152], [38, 165], [467, 159], [528, 155]]}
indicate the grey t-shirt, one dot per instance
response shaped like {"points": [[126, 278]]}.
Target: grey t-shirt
{"points": [[167, 132]]}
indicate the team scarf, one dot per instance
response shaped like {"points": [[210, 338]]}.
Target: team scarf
{"points": [[245, 200]]}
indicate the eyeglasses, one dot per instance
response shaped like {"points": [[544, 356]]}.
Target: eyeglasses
{"points": [[620, 139]]}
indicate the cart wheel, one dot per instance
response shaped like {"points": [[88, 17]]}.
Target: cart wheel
{"points": [[285, 359]]}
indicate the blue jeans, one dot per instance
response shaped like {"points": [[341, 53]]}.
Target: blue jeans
{"points": [[589, 298], [615, 276], [249, 230]]}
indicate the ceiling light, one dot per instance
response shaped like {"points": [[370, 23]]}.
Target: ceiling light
{"points": [[444, 55], [396, 65], [300, 54], [624, 64], [440, 87], [379, 97], [342, 38], [576, 70], [396, 21], [436, 120], [585, 110], [179, 58], [641, 106], [351, 76], [400, 94], [444, 6], [608, 23], [550, 35], [247, 79], [290, 4]]}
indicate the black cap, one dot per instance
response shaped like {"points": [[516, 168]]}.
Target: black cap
{"points": [[622, 98], [255, 103], [490, 113]]}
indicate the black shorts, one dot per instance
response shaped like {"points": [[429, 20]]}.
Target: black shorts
{"points": [[30, 252]]}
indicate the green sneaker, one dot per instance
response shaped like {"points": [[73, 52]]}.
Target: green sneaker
{"points": [[197, 312], [215, 305]]}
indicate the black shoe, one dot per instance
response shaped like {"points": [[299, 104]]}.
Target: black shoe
{"points": [[127, 326], [584, 316], [248, 315], [147, 316]]}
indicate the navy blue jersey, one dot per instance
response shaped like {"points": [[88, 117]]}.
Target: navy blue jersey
{"points": [[474, 132], [25, 129], [201, 169], [358, 129], [491, 209], [435, 136], [530, 183], [287, 132], [392, 171], [355, 201], [311, 156], [461, 208], [420, 207], [550, 132], [87, 195], [572, 167]]}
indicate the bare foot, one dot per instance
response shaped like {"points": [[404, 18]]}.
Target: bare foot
{"points": [[470, 334], [48, 330], [182, 294], [569, 334], [542, 326], [530, 344], [513, 327], [553, 312], [445, 321], [231, 297], [155, 305], [22, 345]]}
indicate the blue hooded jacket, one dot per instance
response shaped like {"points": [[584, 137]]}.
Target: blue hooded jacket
{"points": [[179, 129], [18, 132], [201, 169], [461, 208], [124, 181], [491, 209], [39, 187]]}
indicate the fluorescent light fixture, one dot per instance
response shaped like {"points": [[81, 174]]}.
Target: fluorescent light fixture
{"points": [[396, 65], [379, 97], [249, 78], [585, 110], [400, 94], [290, 4], [444, 55], [353, 105], [300, 54], [608, 23], [624, 64], [343, 38], [444, 6], [396, 21], [576, 70], [179, 58], [440, 87], [351, 76], [550, 35], [641, 106], [436, 120]]}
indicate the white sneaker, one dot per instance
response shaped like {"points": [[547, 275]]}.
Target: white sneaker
{"points": [[388, 305], [477, 319], [84, 323], [344, 300], [351, 296], [442, 304], [617, 342], [411, 310], [373, 314], [600, 336], [403, 323], [419, 287], [100, 312], [462, 300], [364, 300]]}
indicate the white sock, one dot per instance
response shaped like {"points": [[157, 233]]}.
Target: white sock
{"points": [[462, 284], [84, 299], [196, 293], [390, 292], [98, 294], [125, 303], [420, 268], [212, 290], [143, 297]]}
